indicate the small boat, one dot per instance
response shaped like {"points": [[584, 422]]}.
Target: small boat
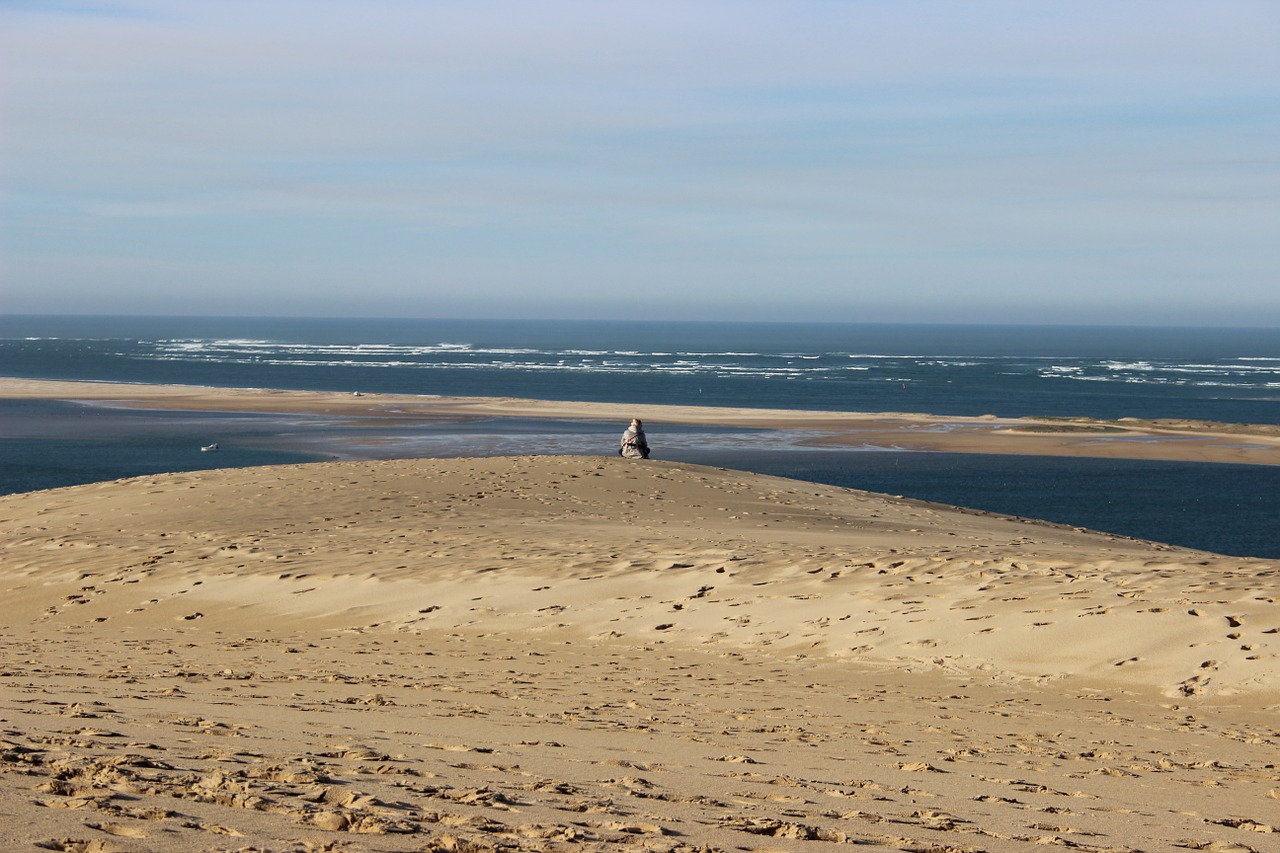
{"points": [[210, 448]]}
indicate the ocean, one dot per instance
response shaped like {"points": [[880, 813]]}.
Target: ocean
{"points": [[1230, 375]]}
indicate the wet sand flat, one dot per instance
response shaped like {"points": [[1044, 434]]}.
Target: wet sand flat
{"points": [[1176, 440]]}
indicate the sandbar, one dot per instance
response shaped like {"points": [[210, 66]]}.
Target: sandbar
{"points": [[1166, 439]]}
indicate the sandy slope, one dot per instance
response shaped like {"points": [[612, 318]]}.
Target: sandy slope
{"points": [[590, 653]]}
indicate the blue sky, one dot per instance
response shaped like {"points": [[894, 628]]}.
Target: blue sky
{"points": [[1043, 162]]}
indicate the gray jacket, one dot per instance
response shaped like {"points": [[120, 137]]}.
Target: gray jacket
{"points": [[634, 445]]}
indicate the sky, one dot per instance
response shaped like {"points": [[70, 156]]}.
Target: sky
{"points": [[841, 160]]}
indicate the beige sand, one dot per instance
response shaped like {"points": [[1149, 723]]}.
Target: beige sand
{"points": [[580, 653], [1257, 444]]}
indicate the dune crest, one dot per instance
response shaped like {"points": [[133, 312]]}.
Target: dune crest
{"points": [[644, 552]]}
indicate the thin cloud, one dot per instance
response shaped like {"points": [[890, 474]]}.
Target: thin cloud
{"points": [[978, 145]]}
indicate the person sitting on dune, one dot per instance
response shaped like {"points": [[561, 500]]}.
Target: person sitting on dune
{"points": [[634, 444]]}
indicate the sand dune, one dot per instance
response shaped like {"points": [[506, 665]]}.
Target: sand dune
{"points": [[553, 653]]}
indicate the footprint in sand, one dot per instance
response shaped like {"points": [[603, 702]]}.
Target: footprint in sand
{"points": [[118, 829]]}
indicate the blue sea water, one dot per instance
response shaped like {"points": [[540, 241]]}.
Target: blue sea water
{"points": [[1227, 509], [1228, 375], [1215, 374]]}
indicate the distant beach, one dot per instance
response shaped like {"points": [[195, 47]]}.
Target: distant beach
{"points": [[1170, 439]]}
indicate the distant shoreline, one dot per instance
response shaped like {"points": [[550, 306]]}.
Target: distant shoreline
{"points": [[1165, 439]]}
